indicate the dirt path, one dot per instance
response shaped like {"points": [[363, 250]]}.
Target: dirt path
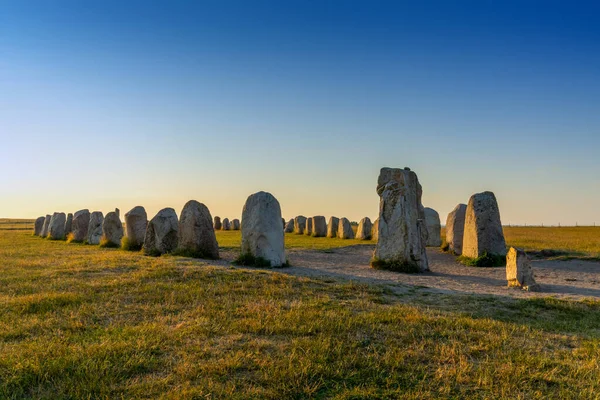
{"points": [[563, 279]]}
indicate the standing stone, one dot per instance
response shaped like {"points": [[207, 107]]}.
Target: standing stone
{"points": [[375, 230], [345, 229], [364, 231], [136, 222], [319, 228], [519, 272], [38, 226], [226, 226], [309, 226], [56, 228], [196, 232], [46, 225], [434, 227], [332, 227], [402, 234], [289, 227], [262, 235], [455, 228], [69, 224], [217, 224], [283, 222], [112, 230], [94, 233], [483, 229], [299, 224], [235, 224], [162, 233], [80, 225]]}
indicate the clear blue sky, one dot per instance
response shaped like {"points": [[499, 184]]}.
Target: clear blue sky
{"points": [[109, 104]]}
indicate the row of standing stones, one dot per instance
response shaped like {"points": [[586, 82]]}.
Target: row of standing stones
{"points": [[402, 231]]}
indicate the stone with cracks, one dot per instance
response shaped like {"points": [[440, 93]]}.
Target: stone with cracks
{"points": [[365, 228], [94, 233], [80, 225], [401, 233], [519, 272], [345, 229], [434, 227], [483, 229], [217, 224], [289, 226], [455, 228], [196, 232], [112, 230], [299, 224], [46, 225], [136, 222], [38, 226], [332, 227], [225, 225], [56, 228], [162, 233]]}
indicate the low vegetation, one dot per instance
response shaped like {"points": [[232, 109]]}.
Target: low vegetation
{"points": [[397, 266], [485, 260]]}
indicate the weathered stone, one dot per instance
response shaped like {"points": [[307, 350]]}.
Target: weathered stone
{"points": [[217, 224], [46, 225], [235, 224], [262, 235], [289, 227], [319, 226], [375, 230], [345, 229], [309, 226], [136, 222], [434, 227], [283, 222], [299, 224], [455, 228], [196, 232], [112, 230], [162, 233], [226, 226], [80, 225], [364, 231], [332, 227], [69, 224], [401, 232], [56, 228], [483, 229], [38, 226], [94, 233], [519, 272]]}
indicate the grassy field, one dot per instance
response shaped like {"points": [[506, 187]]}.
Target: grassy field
{"points": [[83, 322]]}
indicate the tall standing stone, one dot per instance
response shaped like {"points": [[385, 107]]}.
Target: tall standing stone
{"points": [[112, 230], [196, 232], [136, 222], [56, 228], [319, 227], [289, 227], [38, 226], [332, 227], [434, 227], [309, 226], [455, 229], [299, 224], [217, 224], [262, 235], [46, 225], [483, 229], [375, 230], [402, 234], [80, 225], [345, 229], [162, 233], [226, 226], [94, 233], [364, 231], [235, 224], [69, 224], [519, 272]]}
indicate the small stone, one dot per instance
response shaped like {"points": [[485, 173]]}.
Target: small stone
{"points": [[345, 229], [235, 224], [309, 226], [94, 233], [364, 231], [319, 228], [46, 226], [136, 223], [455, 228], [38, 226], [112, 230], [56, 228], [80, 225], [226, 226], [69, 224], [289, 227], [483, 229], [332, 227], [434, 227], [196, 232], [162, 233], [299, 224], [217, 224], [519, 272]]}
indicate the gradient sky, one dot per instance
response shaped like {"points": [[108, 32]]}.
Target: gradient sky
{"points": [[108, 104]]}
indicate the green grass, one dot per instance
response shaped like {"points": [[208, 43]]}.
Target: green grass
{"points": [[86, 322], [128, 245], [485, 260]]}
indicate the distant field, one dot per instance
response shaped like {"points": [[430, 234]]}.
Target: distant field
{"points": [[16, 224], [84, 322]]}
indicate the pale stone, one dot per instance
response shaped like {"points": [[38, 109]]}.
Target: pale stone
{"points": [[46, 225], [364, 231], [217, 224], [38, 226], [112, 229], [309, 226], [375, 230], [225, 225], [319, 226], [162, 233], [69, 224], [196, 232], [299, 224], [94, 233], [483, 229], [235, 224], [56, 228], [455, 228], [332, 227], [80, 225], [262, 235], [289, 227], [434, 227], [136, 222], [518, 270], [345, 229], [401, 232]]}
